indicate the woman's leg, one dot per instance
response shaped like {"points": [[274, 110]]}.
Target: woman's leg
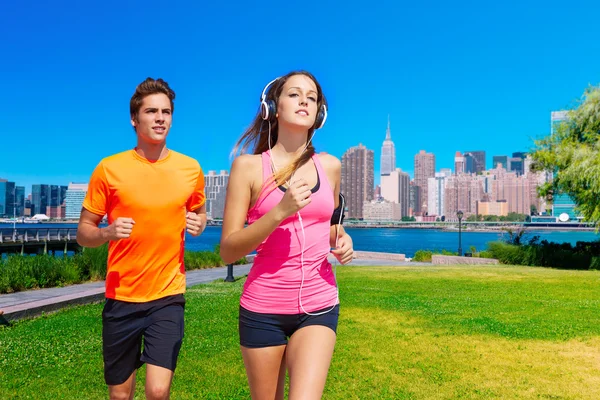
{"points": [[308, 357], [265, 368]]}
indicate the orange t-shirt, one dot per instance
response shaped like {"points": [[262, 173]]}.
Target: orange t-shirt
{"points": [[149, 264]]}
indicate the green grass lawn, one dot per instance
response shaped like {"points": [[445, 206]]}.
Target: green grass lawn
{"points": [[405, 333]]}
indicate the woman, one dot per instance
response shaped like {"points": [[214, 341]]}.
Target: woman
{"points": [[289, 307]]}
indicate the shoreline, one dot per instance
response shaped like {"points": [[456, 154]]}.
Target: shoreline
{"points": [[447, 227], [477, 229]]}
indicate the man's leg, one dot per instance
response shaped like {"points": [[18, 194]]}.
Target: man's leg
{"points": [[158, 382], [124, 391], [163, 336], [121, 345]]}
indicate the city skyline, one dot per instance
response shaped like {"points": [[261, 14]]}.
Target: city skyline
{"points": [[451, 76], [57, 181]]}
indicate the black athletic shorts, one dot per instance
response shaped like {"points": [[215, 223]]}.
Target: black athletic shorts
{"points": [[264, 330], [124, 324]]}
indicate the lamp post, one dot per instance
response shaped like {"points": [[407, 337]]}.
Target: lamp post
{"points": [[459, 214], [229, 277]]}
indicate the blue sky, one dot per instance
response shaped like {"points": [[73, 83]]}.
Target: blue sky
{"points": [[453, 77]]}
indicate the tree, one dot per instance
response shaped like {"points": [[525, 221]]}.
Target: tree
{"points": [[533, 210], [572, 153]]}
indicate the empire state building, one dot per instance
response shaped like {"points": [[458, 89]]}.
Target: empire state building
{"points": [[388, 153]]}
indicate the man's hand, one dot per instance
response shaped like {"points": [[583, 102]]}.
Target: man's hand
{"points": [[344, 252], [120, 229], [193, 223]]}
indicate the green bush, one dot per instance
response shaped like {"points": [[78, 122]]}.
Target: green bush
{"points": [[28, 272], [92, 262], [582, 256], [484, 254], [446, 253], [423, 256]]}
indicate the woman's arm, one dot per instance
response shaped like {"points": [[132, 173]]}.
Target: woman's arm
{"points": [[339, 240]]}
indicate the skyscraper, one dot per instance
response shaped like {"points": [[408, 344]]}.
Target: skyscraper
{"points": [[388, 153], [516, 165], [20, 199], [512, 188], [215, 188], [479, 159], [7, 198], [395, 188], [436, 194], [74, 199], [415, 198], [424, 169], [461, 193], [357, 178], [470, 164], [40, 198], [500, 160], [459, 164]]}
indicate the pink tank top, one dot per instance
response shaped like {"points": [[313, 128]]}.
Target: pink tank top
{"points": [[273, 284]]}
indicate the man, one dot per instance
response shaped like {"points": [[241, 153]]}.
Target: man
{"points": [[151, 195]]}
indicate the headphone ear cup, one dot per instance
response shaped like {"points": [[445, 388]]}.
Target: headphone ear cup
{"points": [[272, 107], [264, 110], [321, 117]]}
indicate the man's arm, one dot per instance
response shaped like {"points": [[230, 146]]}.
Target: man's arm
{"points": [[90, 235], [196, 221]]}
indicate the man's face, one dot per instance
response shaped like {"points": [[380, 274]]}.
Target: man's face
{"points": [[153, 120]]}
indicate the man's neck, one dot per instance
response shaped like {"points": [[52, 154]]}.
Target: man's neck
{"points": [[152, 152]]}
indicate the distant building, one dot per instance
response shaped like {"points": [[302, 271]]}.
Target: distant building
{"points": [[502, 160], [436, 194], [357, 179], [75, 194], [461, 193], [7, 198], [395, 188], [40, 198], [512, 188], [381, 210], [424, 169], [215, 189], [388, 153], [20, 199], [415, 199], [478, 157], [499, 208], [516, 165], [460, 166], [57, 212]]}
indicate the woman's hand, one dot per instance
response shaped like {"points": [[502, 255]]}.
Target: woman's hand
{"points": [[344, 252]]}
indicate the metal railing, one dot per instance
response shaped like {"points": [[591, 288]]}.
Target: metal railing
{"points": [[29, 235]]}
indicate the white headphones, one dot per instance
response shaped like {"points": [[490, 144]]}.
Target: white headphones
{"points": [[337, 289]]}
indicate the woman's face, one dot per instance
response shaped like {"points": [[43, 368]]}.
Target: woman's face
{"points": [[297, 105]]}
